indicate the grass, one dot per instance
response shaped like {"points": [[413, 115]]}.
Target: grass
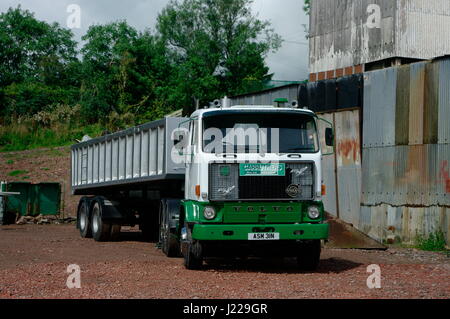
{"points": [[20, 137], [17, 173], [434, 242]]}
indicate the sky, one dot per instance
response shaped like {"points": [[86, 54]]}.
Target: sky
{"points": [[289, 63]]}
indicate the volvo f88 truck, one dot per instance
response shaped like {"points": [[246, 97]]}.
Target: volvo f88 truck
{"points": [[226, 182]]}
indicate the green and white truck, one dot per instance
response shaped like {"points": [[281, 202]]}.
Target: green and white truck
{"points": [[226, 182]]}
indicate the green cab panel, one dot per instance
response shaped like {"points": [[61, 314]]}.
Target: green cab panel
{"points": [[242, 232], [252, 212]]}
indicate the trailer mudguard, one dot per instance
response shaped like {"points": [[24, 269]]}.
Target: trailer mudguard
{"points": [[111, 210]]}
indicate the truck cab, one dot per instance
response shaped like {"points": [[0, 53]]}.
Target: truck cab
{"points": [[253, 185]]}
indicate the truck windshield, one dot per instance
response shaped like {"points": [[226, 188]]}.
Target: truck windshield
{"points": [[263, 132]]}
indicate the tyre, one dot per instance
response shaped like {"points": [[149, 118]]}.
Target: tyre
{"points": [[115, 232], [83, 220], [192, 252], [169, 242], [101, 231], [309, 255]]}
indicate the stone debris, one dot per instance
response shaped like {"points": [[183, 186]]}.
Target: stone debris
{"points": [[44, 220]]}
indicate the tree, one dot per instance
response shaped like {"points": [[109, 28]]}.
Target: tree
{"points": [[216, 46], [307, 6], [36, 61], [29, 47]]}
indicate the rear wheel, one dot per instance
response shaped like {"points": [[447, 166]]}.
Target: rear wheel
{"points": [[83, 221], [101, 231], [168, 240], [309, 255]]}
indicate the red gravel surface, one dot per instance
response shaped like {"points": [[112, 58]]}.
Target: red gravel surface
{"points": [[34, 261]]}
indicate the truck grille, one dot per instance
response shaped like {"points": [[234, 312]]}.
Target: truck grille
{"points": [[226, 184]]}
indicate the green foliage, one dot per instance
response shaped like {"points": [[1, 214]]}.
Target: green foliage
{"points": [[50, 94], [56, 126], [37, 61], [22, 138], [17, 173], [9, 162], [217, 45], [307, 6], [434, 242]]}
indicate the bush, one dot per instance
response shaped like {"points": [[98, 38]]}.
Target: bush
{"points": [[22, 137], [434, 242]]}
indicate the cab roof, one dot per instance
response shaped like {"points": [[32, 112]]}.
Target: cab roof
{"points": [[250, 108]]}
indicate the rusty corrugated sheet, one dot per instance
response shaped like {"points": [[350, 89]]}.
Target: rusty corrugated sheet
{"points": [[348, 160], [422, 28], [444, 101], [431, 104], [342, 35], [385, 222], [416, 104], [339, 36], [380, 107], [402, 107], [417, 175]]}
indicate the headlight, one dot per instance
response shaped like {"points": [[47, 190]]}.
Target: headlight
{"points": [[209, 213], [313, 212]]}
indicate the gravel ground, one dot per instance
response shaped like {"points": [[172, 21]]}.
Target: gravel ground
{"points": [[34, 261]]}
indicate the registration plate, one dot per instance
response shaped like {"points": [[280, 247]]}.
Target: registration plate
{"points": [[264, 236]]}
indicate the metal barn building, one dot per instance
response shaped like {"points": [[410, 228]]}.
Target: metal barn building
{"points": [[353, 36]]}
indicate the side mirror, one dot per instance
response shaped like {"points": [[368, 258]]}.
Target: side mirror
{"points": [[329, 136]]}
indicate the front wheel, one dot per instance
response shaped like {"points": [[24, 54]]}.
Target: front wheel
{"points": [[192, 251], [101, 231], [309, 255]]}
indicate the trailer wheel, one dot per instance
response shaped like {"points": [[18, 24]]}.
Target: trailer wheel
{"points": [[309, 255], [115, 232], [169, 242], [83, 220], [192, 252], [101, 231]]}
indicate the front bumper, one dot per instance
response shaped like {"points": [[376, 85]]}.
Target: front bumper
{"points": [[203, 232]]}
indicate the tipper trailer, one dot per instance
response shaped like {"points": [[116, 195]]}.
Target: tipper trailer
{"points": [[238, 181]]}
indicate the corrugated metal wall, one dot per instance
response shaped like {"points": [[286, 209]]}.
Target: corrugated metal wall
{"points": [[390, 175], [343, 33], [341, 171], [267, 97], [406, 151]]}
